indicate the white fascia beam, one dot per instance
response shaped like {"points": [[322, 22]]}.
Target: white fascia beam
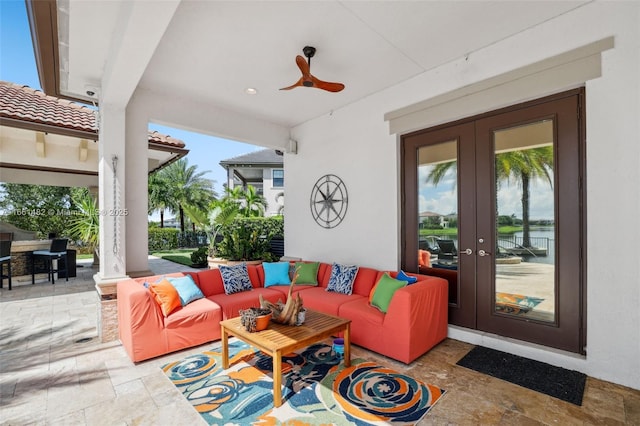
{"points": [[200, 117], [140, 28]]}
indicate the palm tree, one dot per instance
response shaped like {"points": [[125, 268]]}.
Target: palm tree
{"points": [[522, 165], [158, 195], [250, 202], [254, 203], [185, 186]]}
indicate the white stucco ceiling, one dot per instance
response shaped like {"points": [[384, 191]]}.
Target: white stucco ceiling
{"points": [[211, 51]]}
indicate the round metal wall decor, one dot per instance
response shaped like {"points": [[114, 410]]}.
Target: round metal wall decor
{"points": [[329, 201]]}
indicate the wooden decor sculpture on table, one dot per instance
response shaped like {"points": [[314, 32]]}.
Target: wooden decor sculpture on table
{"points": [[285, 313]]}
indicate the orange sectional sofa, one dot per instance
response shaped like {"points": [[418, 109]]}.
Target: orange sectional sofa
{"points": [[415, 321]]}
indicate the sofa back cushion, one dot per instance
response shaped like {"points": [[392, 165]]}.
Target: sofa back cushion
{"points": [[324, 273], [210, 280], [365, 280]]}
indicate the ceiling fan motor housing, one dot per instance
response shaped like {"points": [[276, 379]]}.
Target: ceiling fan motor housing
{"points": [[309, 51]]}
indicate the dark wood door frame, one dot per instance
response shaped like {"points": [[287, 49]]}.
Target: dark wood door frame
{"points": [[567, 108], [462, 310]]}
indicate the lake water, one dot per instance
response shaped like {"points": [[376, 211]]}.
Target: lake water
{"points": [[538, 233]]}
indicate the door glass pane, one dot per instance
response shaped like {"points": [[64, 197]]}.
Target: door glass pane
{"points": [[438, 213], [525, 222]]}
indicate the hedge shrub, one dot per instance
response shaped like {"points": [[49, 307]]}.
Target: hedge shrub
{"points": [[162, 239]]}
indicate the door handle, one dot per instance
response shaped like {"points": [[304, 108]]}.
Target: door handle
{"points": [[468, 252], [483, 253]]}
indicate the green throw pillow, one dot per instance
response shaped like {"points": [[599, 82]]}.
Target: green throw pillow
{"points": [[384, 291], [307, 272]]}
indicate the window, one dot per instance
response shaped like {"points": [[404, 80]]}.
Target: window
{"points": [[278, 178]]}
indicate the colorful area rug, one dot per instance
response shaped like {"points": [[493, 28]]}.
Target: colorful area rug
{"points": [[317, 389], [515, 303]]}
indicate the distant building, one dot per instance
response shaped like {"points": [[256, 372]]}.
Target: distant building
{"points": [[262, 169]]}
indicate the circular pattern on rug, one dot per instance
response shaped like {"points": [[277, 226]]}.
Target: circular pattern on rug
{"points": [[190, 369], [382, 392]]}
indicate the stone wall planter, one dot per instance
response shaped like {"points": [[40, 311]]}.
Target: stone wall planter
{"points": [[215, 262]]}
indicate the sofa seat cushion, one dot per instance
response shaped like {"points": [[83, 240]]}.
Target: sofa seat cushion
{"points": [[364, 318], [232, 303], [195, 312], [326, 301], [194, 324]]}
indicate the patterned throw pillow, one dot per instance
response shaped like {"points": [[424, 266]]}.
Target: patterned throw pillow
{"points": [[235, 278], [342, 278]]}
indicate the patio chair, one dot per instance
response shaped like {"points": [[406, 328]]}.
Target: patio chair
{"points": [[447, 249], [57, 251], [5, 259]]}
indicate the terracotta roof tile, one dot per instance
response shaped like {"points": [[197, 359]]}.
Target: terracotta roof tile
{"points": [[33, 106]]}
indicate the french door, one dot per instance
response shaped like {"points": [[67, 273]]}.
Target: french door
{"points": [[495, 202]]}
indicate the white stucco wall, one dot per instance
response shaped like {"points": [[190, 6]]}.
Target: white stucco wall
{"points": [[354, 143], [270, 192]]}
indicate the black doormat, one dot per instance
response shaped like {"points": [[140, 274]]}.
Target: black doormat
{"points": [[567, 385]]}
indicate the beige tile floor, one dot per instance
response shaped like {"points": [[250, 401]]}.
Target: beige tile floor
{"points": [[49, 377]]}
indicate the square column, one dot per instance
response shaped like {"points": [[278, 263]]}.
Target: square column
{"points": [[137, 196], [111, 199]]}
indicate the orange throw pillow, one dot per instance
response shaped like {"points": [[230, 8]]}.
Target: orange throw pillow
{"points": [[166, 296], [421, 258]]}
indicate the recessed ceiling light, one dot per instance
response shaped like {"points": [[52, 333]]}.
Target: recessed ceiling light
{"points": [[251, 91]]}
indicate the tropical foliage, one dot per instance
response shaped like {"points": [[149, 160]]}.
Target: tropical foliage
{"points": [[248, 238], [41, 208], [250, 203], [85, 222], [236, 203], [178, 188]]}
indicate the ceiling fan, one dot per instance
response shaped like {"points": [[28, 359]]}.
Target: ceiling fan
{"points": [[308, 80]]}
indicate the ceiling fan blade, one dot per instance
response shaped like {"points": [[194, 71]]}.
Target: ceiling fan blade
{"points": [[298, 83], [327, 85], [304, 67]]}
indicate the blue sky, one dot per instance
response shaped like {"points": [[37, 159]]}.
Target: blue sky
{"points": [[443, 198], [17, 65]]}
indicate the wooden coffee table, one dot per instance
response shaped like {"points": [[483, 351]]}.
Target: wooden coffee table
{"points": [[279, 339]]}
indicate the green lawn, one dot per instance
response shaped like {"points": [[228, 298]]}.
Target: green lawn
{"points": [[181, 256], [454, 231]]}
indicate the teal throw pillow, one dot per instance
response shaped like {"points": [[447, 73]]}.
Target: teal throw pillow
{"points": [[342, 278], [187, 289], [276, 273], [307, 272], [385, 289], [235, 279], [402, 276]]}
